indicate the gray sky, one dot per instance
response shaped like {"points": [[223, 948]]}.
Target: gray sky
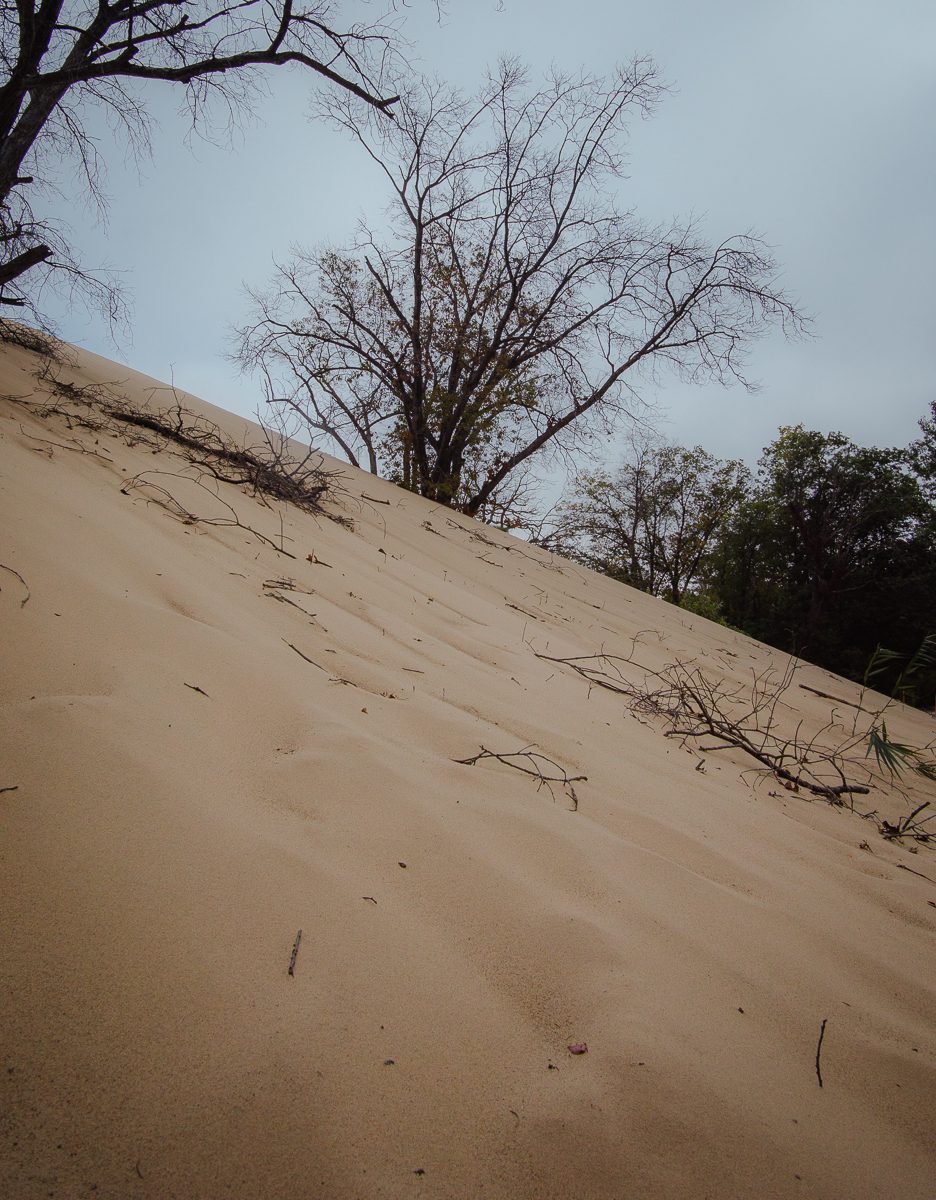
{"points": [[809, 123]]}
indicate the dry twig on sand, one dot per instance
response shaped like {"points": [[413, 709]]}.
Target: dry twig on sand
{"points": [[529, 762], [295, 951], [25, 599], [310, 661], [819, 1050]]}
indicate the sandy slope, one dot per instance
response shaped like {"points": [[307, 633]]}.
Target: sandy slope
{"points": [[461, 928]]}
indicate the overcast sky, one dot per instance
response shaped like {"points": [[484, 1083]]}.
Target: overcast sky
{"points": [[810, 122]]}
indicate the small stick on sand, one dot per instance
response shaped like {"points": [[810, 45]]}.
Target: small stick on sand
{"points": [[901, 867], [25, 599], [819, 1050], [295, 951], [829, 696], [310, 661]]}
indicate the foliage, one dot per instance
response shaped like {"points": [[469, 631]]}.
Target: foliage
{"points": [[704, 604], [835, 544], [514, 304], [923, 454], [895, 757], [909, 667], [653, 521], [830, 548]]}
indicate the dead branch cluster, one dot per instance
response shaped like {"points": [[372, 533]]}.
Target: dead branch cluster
{"points": [[267, 470], [744, 717], [153, 492], [274, 469], [712, 715], [15, 333]]}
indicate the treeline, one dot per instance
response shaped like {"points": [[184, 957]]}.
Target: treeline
{"points": [[828, 551]]}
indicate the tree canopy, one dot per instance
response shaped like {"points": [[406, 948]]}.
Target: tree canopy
{"points": [[828, 553], [514, 304], [923, 453], [654, 521], [834, 552]]}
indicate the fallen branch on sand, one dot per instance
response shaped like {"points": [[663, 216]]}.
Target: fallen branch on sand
{"points": [[701, 707], [156, 493], [527, 755], [25, 599], [742, 717], [829, 696]]}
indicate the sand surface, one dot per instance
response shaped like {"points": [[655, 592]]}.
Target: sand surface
{"points": [[183, 790]]}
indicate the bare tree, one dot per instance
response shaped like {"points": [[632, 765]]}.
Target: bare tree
{"points": [[513, 304], [61, 56]]}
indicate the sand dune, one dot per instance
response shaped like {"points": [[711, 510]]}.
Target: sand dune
{"points": [[208, 745]]}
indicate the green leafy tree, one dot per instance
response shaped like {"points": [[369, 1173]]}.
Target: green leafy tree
{"points": [[653, 522], [834, 552], [923, 454]]}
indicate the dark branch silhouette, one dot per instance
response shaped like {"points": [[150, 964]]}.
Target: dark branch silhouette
{"points": [[515, 303], [58, 57]]}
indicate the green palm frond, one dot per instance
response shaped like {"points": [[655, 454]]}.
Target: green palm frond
{"points": [[925, 656], [927, 768], [880, 660], [896, 757]]}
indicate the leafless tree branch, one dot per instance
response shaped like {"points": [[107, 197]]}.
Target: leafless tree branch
{"points": [[516, 303], [58, 58]]}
